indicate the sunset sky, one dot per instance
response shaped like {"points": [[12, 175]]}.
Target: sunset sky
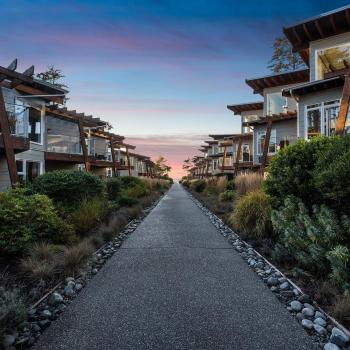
{"points": [[161, 71]]}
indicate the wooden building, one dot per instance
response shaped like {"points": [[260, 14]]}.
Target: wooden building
{"points": [[39, 134]]}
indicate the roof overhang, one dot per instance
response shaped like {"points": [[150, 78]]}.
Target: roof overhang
{"points": [[246, 107], [280, 79], [320, 27], [275, 118], [219, 137], [313, 86]]}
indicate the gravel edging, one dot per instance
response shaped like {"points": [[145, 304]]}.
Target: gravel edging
{"points": [[325, 330], [49, 307]]}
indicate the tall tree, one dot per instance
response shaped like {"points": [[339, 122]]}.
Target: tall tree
{"points": [[283, 58], [52, 75], [162, 169]]}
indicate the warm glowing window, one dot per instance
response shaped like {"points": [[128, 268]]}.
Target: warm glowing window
{"points": [[332, 59]]}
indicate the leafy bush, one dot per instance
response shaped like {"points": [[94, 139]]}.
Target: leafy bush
{"points": [[314, 237], [248, 183], [89, 213], [198, 185], [291, 171], [29, 218], [230, 186], [226, 196], [68, 185], [113, 187], [126, 201], [251, 215], [136, 191], [332, 174], [186, 183], [130, 181], [12, 310]]}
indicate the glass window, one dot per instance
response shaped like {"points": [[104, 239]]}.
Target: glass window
{"points": [[261, 142], [330, 120], [332, 59], [32, 170], [34, 125], [313, 122], [20, 170], [275, 103], [246, 152]]}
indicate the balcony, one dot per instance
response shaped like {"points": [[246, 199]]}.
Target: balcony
{"points": [[18, 143]]}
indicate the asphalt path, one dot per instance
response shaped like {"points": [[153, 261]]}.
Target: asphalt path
{"points": [[175, 284]]}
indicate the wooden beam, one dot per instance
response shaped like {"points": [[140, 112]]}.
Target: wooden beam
{"points": [[319, 29], [83, 145], [128, 160], [32, 91], [238, 155], [8, 145], [344, 107], [266, 145], [224, 158], [114, 169]]}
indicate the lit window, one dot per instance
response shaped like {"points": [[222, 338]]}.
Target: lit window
{"points": [[332, 59], [20, 170]]}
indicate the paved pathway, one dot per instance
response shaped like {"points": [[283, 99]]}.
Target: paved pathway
{"points": [[175, 284]]}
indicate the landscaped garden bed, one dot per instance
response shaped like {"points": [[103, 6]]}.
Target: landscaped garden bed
{"points": [[62, 227], [298, 217]]}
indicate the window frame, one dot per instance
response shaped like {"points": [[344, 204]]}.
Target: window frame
{"points": [[317, 54], [273, 135]]}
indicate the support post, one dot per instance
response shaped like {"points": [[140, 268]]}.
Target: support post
{"points": [[83, 145], [113, 156], [266, 145], [238, 155], [224, 159], [8, 144], [344, 107], [128, 160]]}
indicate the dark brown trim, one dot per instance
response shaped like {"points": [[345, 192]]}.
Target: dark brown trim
{"points": [[7, 141], [238, 155], [266, 145], [344, 107], [83, 145]]}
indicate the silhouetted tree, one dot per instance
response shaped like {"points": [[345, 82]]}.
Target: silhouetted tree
{"points": [[52, 75], [283, 58]]}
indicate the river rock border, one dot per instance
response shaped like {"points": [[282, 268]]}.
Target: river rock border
{"points": [[326, 331], [51, 305]]}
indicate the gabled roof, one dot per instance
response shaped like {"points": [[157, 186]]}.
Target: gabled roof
{"points": [[279, 79], [320, 27], [314, 86], [246, 107]]}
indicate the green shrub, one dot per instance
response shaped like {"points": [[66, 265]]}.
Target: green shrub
{"points": [[332, 174], [314, 237], [137, 191], [89, 213], [68, 186], [113, 187], [12, 310], [198, 185], [186, 183], [29, 218], [226, 196], [126, 201], [230, 185], [251, 216], [130, 181], [291, 171]]}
